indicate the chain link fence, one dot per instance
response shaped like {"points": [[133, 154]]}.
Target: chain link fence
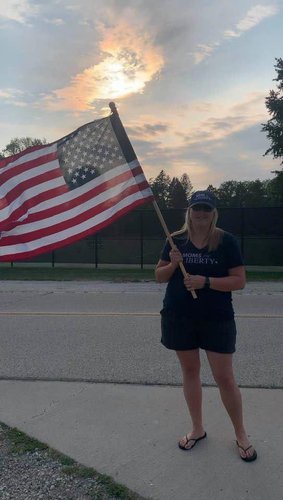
{"points": [[137, 238]]}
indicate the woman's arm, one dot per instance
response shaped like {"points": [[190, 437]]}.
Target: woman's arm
{"points": [[164, 269], [235, 280]]}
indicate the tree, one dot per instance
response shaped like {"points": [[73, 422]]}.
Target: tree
{"points": [[274, 104], [230, 194], [160, 188], [275, 189], [212, 190], [274, 131], [187, 185], [243, 193], [255, 194], [177, 197], [18, 144], [171, 193]]}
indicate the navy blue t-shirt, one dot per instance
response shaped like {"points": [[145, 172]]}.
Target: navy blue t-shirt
{"points": [[210, 304]]}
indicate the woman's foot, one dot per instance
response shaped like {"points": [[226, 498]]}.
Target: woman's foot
{"points": [[190, 440], [246, 449]]}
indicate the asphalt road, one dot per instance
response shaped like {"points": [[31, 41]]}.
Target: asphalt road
{"points": [[111, 333]]}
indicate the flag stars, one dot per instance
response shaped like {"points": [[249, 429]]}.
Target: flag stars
{"points": [[89, 152]]}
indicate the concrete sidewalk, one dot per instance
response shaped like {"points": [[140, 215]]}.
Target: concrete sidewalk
{"points": [[131, 431]]}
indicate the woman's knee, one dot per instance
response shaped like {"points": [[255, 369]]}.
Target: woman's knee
{"points": [[222, 369], [190, 363], [225, 381]]}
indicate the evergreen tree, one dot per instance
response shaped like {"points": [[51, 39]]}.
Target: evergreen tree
{"points": [[274, 104], [160, 188], [177, 197], [187, 185], [274, 131]]}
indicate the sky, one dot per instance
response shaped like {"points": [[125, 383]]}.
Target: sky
{"points": [[189, 78]]}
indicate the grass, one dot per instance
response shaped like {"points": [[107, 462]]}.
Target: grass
{"points": [[74, 274], [106, 483], [264, 276], [26, 273], [20, 443]]}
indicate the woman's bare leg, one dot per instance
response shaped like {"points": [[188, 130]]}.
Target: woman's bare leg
{"points": [[190, 364], [222, 370]]}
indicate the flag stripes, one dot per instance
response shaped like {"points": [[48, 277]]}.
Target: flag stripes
{"points": [[72, 234], [39, 209], [68, 218]]}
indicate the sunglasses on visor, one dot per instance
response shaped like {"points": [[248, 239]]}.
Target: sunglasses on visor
{"points": [[202, 207]]}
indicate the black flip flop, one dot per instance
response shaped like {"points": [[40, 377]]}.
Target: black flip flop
{"points": [[247, 459], [195, 441]]}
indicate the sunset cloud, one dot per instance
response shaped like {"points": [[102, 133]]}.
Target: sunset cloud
{"points": [[186, 78], [129, 60], [224, 121], [148, 130]]}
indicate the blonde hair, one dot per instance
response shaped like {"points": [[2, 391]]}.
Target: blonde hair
{"points": [[214, 235]]}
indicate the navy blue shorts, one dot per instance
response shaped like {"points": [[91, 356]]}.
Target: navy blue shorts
{"points": [[181, 333]]}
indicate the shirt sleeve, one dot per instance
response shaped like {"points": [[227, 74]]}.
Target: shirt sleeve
{"points": [[233, 253]]}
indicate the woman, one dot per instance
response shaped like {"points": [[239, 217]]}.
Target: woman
{"points": [[215, 266]]}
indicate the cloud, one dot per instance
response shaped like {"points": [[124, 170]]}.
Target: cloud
{"points": [[147, 130], [253, 17], [13, 97], [17, 10], [211, 149], [224, 121], [129, 61], [203, 51], [55, 21]]}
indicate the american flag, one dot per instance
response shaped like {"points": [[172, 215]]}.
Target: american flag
{"points": [[56, 194]]}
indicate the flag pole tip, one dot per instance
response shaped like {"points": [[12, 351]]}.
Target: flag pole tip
{"points": [[113, 108]]}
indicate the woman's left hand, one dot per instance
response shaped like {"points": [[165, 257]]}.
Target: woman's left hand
{"points": [[194, 282]]}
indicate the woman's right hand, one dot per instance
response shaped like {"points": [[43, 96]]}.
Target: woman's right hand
{"points": [[175, 256]]}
